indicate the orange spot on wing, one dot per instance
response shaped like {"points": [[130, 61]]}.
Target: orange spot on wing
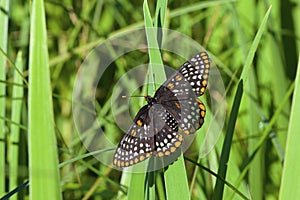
{"points": [[139, 122], [170, 85], [173, 149], [178, 78], [133, 132], [142, 158]]}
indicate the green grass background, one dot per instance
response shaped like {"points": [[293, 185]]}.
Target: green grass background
{"points": [[255, 45]]}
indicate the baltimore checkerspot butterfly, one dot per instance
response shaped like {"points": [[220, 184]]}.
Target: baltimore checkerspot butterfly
{"points": [[173, 110]]}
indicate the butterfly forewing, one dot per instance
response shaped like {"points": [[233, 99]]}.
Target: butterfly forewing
{"points": [[179, 93], [196, 72]]}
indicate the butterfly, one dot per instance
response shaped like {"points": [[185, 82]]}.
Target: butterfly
{"points": [[173, 110]]}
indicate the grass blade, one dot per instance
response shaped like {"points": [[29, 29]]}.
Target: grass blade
{"points": [[156, 63], [15, 129], [137, 187], [289, 182], [3, 45], [218, 192], [254, 45], [177, 185], [43, 161], [156, 66], [264, 136]]}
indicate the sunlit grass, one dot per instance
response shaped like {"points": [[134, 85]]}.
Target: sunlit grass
{"points": [[42, 146]]}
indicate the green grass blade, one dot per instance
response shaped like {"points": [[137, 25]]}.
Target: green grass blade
{"points": [[265, 135], [3, 45], [43, 160], [197, 6], [160, 13], [256, 171], [218, 192], [17, 97], [176, 181], [254, 45], [136, 189], [156, 63], [290, 182], [157, 74], [13, 65]]}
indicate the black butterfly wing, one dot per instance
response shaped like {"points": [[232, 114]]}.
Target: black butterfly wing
{"points": [[179, 93], [196, 72], [137, 144], [166, 137]]}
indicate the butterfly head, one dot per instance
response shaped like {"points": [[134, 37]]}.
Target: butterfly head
{"points": [[150, 100]]}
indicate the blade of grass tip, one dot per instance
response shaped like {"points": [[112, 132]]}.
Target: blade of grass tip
{"points": [[3, 45], [254, 45], [156, 63], [219, 187], [289, 184], [160, 13], [42, 147], [256, 171], [159, 19], [253, 48], [17, 96]]}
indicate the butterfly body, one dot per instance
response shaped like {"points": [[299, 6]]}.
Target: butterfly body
{"points": [[173, 108]]}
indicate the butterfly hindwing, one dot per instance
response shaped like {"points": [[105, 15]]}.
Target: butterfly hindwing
{"points": [[137, 144], [166, 138]]}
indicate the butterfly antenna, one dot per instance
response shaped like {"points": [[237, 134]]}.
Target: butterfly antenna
{"points": [[154, 86], [125, 97], [148, 79]]}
